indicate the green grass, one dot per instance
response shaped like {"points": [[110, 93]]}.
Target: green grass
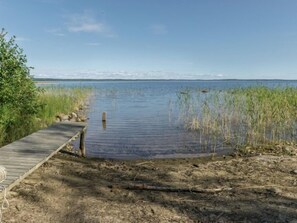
{"points": [[54, 100], [254, 116], [60, 100]]}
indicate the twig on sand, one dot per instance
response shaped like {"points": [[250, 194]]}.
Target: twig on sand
{"points": [[135, 176], [139, 164], [170, 189], [268, 188]]}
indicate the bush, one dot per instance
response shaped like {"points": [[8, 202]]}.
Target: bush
{"points": [[18, 93]]}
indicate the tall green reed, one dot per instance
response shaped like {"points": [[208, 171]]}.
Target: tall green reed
{"points": [[240, 117]]}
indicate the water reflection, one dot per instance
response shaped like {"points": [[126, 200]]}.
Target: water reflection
{"points": [[104, 125]]}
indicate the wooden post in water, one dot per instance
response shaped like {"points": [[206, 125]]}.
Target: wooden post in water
{"points": [[82, 146], [103, 116], [104, 120]]}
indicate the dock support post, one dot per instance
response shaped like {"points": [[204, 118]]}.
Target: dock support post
{"points": [[82, 146], [104, 120], [103, 116]]}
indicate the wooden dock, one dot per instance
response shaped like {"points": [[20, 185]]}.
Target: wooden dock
{"points": [[23, 156]]}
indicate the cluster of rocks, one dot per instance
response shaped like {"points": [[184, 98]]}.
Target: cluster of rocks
{"points": [[79, 115], [290, 150], [286, 148]]}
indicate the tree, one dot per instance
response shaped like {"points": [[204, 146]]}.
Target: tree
{"points": [[18, 93]]}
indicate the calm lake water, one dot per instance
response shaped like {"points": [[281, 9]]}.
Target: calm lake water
{"points": [[143, 119]]}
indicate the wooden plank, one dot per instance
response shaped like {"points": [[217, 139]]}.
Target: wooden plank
{"points": [[19, 157], [16, 165], [22, 157]]}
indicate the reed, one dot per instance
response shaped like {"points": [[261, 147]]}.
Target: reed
{"points": [[53, 100], [241, 117]]}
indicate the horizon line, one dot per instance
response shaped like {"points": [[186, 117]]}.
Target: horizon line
{"points": [[154, 79]]}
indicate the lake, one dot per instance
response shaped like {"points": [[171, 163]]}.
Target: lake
{"points": [[143, 117]]}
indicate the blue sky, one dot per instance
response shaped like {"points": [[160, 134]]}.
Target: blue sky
{"points": [[187, 39]]}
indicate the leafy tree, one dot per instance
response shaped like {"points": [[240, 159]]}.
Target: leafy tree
{"points": [[18, 93]]}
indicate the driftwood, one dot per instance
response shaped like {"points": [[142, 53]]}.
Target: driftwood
{"points": [[145, 162], [170, 189], [274, 189]]}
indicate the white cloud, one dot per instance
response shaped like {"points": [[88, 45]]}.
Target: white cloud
{"points": [[93, 44], [159, 29], [95, 74], [59, 34], [56, 32], [86, 27], [85, 22], [21, 39]]}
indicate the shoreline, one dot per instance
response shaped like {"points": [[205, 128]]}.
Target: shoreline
{"points": [[45, 82]]}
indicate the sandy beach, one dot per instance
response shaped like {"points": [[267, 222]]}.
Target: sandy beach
{"points": [[233, 189]]}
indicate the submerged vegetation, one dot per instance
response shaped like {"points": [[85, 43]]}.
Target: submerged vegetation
{"points": [[254, 116]]}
